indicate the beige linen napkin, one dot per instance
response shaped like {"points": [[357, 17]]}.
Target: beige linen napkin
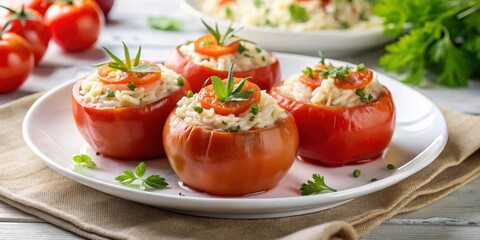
{"points": [[26, 183]]}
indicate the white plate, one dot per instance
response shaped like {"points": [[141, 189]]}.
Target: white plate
{"points": [[331, 42], [421, 133]]}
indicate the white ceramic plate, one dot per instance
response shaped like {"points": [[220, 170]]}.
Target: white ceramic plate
{"points": [[421, 133], [331, 42]]}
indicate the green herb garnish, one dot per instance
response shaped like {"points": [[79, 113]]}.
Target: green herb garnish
{"points": [[165, 23], [356, 173], [316, 186], [198, 109], [84, 161], [180, 81], [151, 182], [335, 72], [298, 13], [360, 92], [258, 50], [258, 3], [223, 39], [233, 129], [224, 123], [228, 12], [127, 66], [110, 93], [308, 71], [251, 118], [443, 37], [390, 166], [361, 67], [189, 94], [131, 86], [263, 58], [241, 49], [229, 92], [254, 108]]}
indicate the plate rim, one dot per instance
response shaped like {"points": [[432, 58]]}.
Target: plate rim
{"points": [[254, 203]]}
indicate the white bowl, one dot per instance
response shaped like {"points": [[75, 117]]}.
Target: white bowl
{"points": [[331, 42]]}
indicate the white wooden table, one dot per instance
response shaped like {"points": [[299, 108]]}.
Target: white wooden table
{"points": [[457, 216]]}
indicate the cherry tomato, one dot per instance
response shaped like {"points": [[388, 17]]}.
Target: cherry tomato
{"points": [[125, 132], [230, 164], [208, 99], [355, 79], [316, 81], [76, 26], [106, 6], [265, 77], [337, 136], [16, 61], [104, 74], [40, 6], [208, 45], [30, 25]]}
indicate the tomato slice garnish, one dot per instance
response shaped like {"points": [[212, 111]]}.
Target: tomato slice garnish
{"points": [[208, 45], [355, 79], [316, 81], [209, 100], [107, 75]]}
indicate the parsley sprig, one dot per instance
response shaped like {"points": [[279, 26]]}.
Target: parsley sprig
{"points": [[223, 39], [335, 72], [153, 181], [84, 161], [127, 66], [229, 92], [316, 186], [443, 38], [360, 92], [298, 13]]}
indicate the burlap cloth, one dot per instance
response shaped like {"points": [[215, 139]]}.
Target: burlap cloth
{"points": [[26, 183]]}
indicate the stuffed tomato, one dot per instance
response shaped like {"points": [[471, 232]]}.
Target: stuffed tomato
{"points": [[121, 111], [343, 114], [231, 144], [212, 54]]}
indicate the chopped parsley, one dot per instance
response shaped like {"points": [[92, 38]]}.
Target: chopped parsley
{"points": [[251, 118], [308, 71], [189, 94], [360, 92], [241, 49], [110, 94], [336, 72], [131, 86], [259, 50], [228, 12], [258, 3], [254, 108], [180, 81], [361, 67], [356, 173], [390, 166], [198, 109], [233, 129], [298, 13]]}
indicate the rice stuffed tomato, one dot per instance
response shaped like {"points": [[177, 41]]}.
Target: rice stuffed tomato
{"points": [[230, 139], [212, 54], [121, 108], [343, 114]]}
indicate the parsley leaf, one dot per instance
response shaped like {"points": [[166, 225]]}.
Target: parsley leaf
{"points": [[110, 94], [360, 93], [165, 23], [316, 186], [442, 39], [298, 13], [84, 161], [151, 182]]}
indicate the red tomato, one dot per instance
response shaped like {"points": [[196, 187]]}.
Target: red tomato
{"points": [[265, 77], [136, 78], [40, 6], [106, 6], [126, 132], [230, 164], [354, 80], [16, 61], [29, 24], [208, 99], [316, 81], [336, 136], [74, 27], [208, 45]]}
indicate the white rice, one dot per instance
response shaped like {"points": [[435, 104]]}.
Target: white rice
{"points": [[327, 94], [253, 57], [94, 92], [269, 112], [275, 13]]}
